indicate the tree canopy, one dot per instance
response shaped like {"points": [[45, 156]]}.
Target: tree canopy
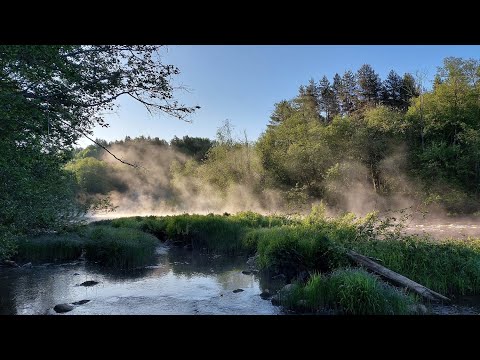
{"points": [[50, 96]]}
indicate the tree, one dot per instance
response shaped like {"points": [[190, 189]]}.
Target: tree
{"points": [[50, 96], [370, 85], [348, 96], [408, 91], [283, 110], [337, 88], [328, 100], [307, 102], [56, 94], [392, 90]]}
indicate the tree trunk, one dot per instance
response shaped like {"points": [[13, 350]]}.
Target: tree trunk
{"points": [[395, 277]]}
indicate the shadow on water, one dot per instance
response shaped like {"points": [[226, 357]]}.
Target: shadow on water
{"points": [[178, 282]]}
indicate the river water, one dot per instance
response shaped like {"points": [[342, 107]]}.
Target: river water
{"points": [[180, 282]]}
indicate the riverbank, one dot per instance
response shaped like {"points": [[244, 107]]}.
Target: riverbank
{"points": [[308, 252]]}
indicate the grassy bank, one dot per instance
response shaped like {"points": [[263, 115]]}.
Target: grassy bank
{"points": [[314, 245], [349, 292], [218, 233], [119, 248]]}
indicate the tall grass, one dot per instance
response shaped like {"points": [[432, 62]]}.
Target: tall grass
{"points": [[119, 248], [112, 247], [291, 249], [446, 266], [219, 233], [49, 248], [348, 291]]}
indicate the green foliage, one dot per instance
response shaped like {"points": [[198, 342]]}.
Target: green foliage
{"points": [[36, 193], [214, 233], [119, 247], [292, 249], [52, 95], [92, 175], [349, 292], [50, 248], [8, 244], [195, 147]]}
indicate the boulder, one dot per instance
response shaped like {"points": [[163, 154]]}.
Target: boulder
{"points": [[63, 308], [89, 283]]}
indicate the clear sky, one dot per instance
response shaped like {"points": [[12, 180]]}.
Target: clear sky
{"points": [[242, 83]]}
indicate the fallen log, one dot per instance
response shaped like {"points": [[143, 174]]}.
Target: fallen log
{"points": [[395, 277]]}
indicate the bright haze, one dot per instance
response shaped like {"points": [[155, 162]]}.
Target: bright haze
{"points": [[242, 83]]}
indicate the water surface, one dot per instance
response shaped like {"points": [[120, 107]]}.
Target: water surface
{"points": [[179, 282]]}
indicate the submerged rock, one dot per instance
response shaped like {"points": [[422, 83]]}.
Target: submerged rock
{"points": [[238, 290], [76, 274], [89, 283], [63, 308], [265, 295], [27, 265], [81, 302], [247, 272]]}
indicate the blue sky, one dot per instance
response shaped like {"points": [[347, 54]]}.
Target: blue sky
{"points": [[242, 83]]}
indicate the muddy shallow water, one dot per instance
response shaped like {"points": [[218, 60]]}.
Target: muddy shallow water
{"points": [[180, 282]]}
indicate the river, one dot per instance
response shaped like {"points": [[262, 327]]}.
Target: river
{"points": [[179, 282]]}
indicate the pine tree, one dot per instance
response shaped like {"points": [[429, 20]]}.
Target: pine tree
{"points": [[370, 85], [391, 92], [347, 96]]}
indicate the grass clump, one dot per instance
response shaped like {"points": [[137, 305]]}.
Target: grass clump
{"points": [[49, 247], [350, 292], [119, 247], [291, 249]]}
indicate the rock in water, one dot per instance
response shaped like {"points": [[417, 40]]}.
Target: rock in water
{"points": [[238, 290], [265, 295], [81, 302], [246, 272], [89, 283], [63, 308]]}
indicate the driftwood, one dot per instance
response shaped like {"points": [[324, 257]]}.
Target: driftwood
{"points": [[395, 277]]}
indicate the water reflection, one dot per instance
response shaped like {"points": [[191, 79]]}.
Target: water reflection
{"points": [[179, 282]]}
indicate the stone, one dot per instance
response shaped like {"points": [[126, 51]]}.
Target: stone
{"points": [[246, 272], [89, 283], [81, 302], [27, 265], [265, 295], [238, 290], [63, 308]]}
